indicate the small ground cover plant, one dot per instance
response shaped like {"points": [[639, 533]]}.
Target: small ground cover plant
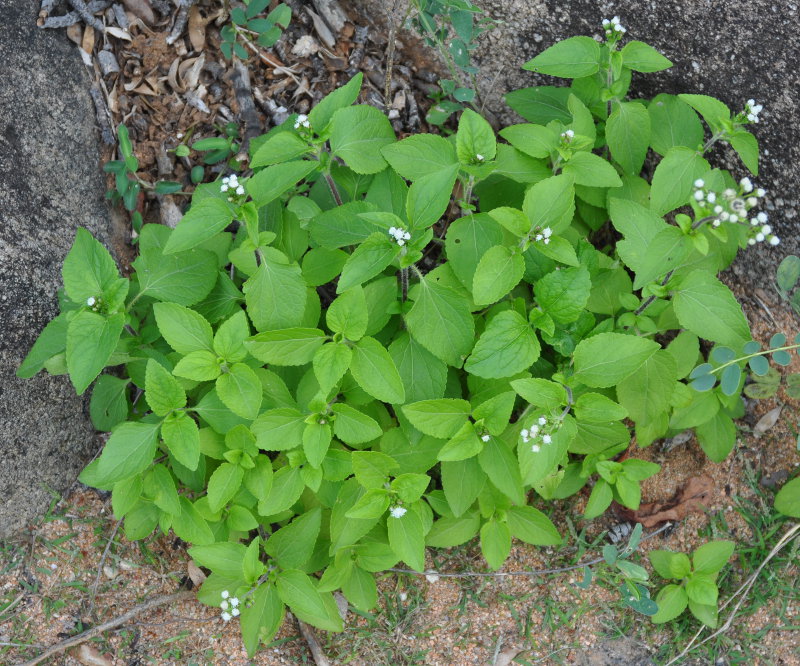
{"points": [[361, 347]]}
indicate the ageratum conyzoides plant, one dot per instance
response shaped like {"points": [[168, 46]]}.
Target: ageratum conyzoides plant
{"points": [[360, 347]]}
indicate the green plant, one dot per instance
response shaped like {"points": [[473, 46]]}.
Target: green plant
{"points": [[787, 279], [451, 27], [249, 30], [327, 369], [698, 586]]}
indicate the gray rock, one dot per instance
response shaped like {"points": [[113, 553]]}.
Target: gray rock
{"points": [[735, 51], [50, 183]]}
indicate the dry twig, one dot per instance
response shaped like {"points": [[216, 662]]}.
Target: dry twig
{"points": [[313, 644]]}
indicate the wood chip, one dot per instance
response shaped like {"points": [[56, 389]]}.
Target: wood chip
{"points": [[767, 421], [322, 29], [195, 573]]}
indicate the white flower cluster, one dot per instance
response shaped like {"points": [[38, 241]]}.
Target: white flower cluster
{"points": [[544, 235], [302, 121], [751, 110], [479, 157], [229, 606], [613, 26], [539, 433], [93, 303], [485, 437], [735, 207], [400, 235], [231, 183], [398, 511], [567, 135]]}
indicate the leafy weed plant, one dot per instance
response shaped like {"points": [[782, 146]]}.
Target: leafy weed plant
{"points": [[361, 347]]}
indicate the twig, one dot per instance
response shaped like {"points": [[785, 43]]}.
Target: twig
{"points": [[741, 593], [111, 624], [390, 49], [100, 567], [71, 18], [313, 644], [180, 21], [534, 572], [240, 78], [86, 14]]}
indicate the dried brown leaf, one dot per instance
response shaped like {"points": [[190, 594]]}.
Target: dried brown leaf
{"points": [[119, 33], [141, 9], [506, 657], [195, 573], [692, 498], [87, 43], [197, 28], [767, 421], [90, 656]]}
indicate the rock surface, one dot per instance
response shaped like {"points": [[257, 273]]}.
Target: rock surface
{"points": [[733, 50], [50, 183]]}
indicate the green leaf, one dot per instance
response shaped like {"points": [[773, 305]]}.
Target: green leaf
{"points": [[714, 112], [550, 203], [449, 532], [287, 486], [599, 500], [717, 436], [673, 123], [628, 134], [352, 426], [276, 294], [462, 445], [541, 104], [270, 183], [205, 219], [511, 219], [279, 429], [570, 58], [320, 116], [372, 505], [240, 390], [348, 314], [261, 619], [91, 340], [712, 557], [507, 346], [607, 358], [559, 249], [475, 137], [563, 294], [429, 197], [591, 170], [357, 135], [292, 545], [440, 418], [409, 487], [665, 252], [371, 468], [502, 468], [375, 372], [670, 565], [288, 346], [702, 590], [787, 501], [51, 342], [462, 482], [191, 526], [300, 594], [420, 155], [641, 57], [184, 330], [424, 376], [199, 366], [533, 140], [532, 526], [497, 273], [129, 450], [706, 307], [184, 278], [597, 408], [674, 177], [407, 539], [223, 485], [746, 145], [369, 259], [88, 269], [541, 392], [109, 403], [787, 276], [672, 601], [639, 225], [441, 322], [646, 393], [280, 147], [360, 589], [182, 438], [330, 362], [343, 225], [468, 239], [162, 390], [495, 543]]}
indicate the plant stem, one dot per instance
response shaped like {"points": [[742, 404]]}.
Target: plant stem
{"points": [[763, 352], [650, 299], [332, 186], [404, 283]]}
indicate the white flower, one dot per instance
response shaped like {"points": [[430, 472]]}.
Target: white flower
{"points": [[485, 438], [754, 222], [235, 612], [699, 182], [760, 192], [547, 439], [729, 193], [400, 235], [766, 229], [547, 232], [698, 195], [524, 432], [759, 237], [226, 616], [302, 121], [535, 448], [224, 605], [542, 421], [223, 188], [761, 217], [752, 201], [539, 237], [534, 430], [91, 301], [747, 184], [724, 216], [568, 135], [234, 602], [733, 218], [225, 594], [479, 157], [711, 197], [240, 190], [546, 241], [716, 223], [751, 241], [717, 209], [774, 240], [398, 511]]}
